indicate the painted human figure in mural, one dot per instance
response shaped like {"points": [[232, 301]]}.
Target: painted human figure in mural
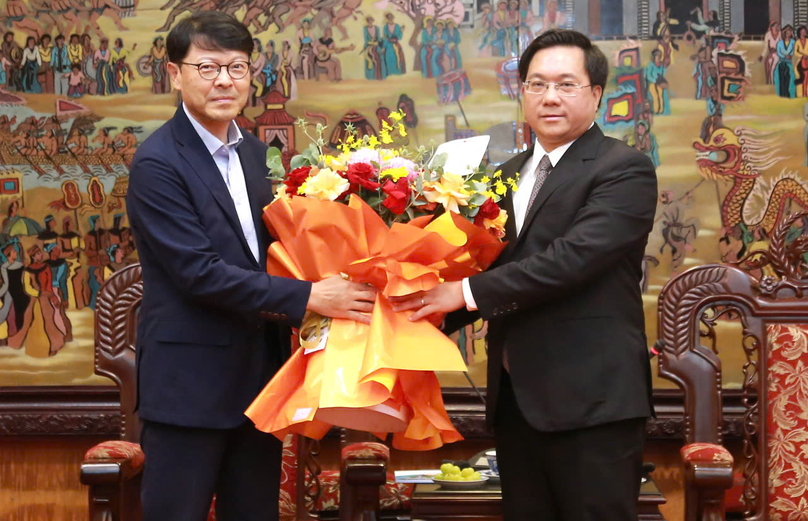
{"points": [[60, 273], [486, 18], [429, 62], [452, 46], [657, 84], [526, 21], [75, 51], [769, 54], [678, 233], [702, 26], [287, 82], [270, 70], [46, 328], [375, 68], [104, 74], [258, 82], [715, 115], [31, 61], [326, 57], [71, 244], [126, 140], [4, 66], [784, 72], [106, 145], [513, 26], [666, 46], [305, 56], [12, 54], [645, 141], [704, 72], [77, 142], [96, 241], [19, 16], [45, 15], [107, 8], [393, 53], [801, 62], [159, 66], [14, 298], [67, 11], [663, 23], [122, 73], [500, 21], [553, 18], [60, 64], [75, 81], [45, 74]]}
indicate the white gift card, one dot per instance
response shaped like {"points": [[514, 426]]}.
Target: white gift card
{"points": [[463, 155]]}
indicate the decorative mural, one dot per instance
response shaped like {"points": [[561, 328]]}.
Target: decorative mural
{"points": [[714, 92]]}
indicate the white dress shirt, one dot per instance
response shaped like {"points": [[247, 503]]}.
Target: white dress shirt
{"points": [[229, 164], [521, 197]]}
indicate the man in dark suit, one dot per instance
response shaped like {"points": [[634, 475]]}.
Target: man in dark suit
{"points": [[213, 324], [569, 379]]}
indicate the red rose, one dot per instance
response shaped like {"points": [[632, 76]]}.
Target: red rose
{"points": [[489, 210], [296, 178], [362, 174], [398, 195]]}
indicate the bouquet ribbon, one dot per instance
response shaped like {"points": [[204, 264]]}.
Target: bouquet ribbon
{"points": [[379, 377]]}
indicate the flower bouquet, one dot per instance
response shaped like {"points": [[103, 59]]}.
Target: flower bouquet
{"points": [[403, 221]]}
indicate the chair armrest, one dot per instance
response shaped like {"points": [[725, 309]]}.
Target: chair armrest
{"points": [[365, 463], [112, 462], [708, 475]]}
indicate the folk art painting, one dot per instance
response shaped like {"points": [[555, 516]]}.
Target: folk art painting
{"points": [[714, 92]]}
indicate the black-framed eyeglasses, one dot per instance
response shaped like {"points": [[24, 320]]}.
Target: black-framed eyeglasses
{"points": [[210, 70], [565, 88]]}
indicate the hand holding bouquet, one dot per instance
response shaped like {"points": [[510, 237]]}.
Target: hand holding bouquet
{"points": [[392, 219]]}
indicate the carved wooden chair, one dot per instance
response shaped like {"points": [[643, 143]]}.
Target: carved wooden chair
{"points": [[772, 309], [112, 469]]}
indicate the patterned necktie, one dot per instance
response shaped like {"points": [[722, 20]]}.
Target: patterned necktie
{"points": [[545, 166]]}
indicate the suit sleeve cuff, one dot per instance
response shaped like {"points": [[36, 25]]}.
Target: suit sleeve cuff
{"points": [[471, 304]]}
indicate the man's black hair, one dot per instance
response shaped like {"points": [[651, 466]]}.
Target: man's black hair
{"points": [[595, 62], [210, 30]]}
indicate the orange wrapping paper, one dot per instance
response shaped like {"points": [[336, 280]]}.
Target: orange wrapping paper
{"points": [[388, 365]]}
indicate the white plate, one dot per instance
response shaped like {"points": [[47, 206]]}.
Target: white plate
{"points": [[457, 485]]}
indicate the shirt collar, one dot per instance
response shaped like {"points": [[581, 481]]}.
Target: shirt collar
{"points": [[557, 153], [212, 143]]}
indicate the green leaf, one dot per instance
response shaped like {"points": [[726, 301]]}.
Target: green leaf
{"points": [[275, 164], [374, 201], [438, 161], [477, 199], [298, 161], [312, 154], [419, 184]]}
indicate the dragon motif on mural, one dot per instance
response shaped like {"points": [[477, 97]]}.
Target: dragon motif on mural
{"points": [[753, 206]]}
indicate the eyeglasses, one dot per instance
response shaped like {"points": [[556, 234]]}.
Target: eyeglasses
{"points": [[211, 70], [564, 88]]}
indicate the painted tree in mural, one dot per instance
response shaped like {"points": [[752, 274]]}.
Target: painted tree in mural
{"points": [[418, 10]]}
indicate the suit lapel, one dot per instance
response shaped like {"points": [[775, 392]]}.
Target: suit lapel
{"points": [[193, 150], [259, 192], [567, 169]]}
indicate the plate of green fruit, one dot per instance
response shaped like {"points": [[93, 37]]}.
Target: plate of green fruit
{"points": [[453, 477]]}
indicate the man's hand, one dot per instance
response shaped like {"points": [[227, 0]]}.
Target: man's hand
{"points": [[339, 298], [443, 298]]}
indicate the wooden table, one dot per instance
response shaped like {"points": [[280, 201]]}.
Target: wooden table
{"points": [[430, 502]]}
